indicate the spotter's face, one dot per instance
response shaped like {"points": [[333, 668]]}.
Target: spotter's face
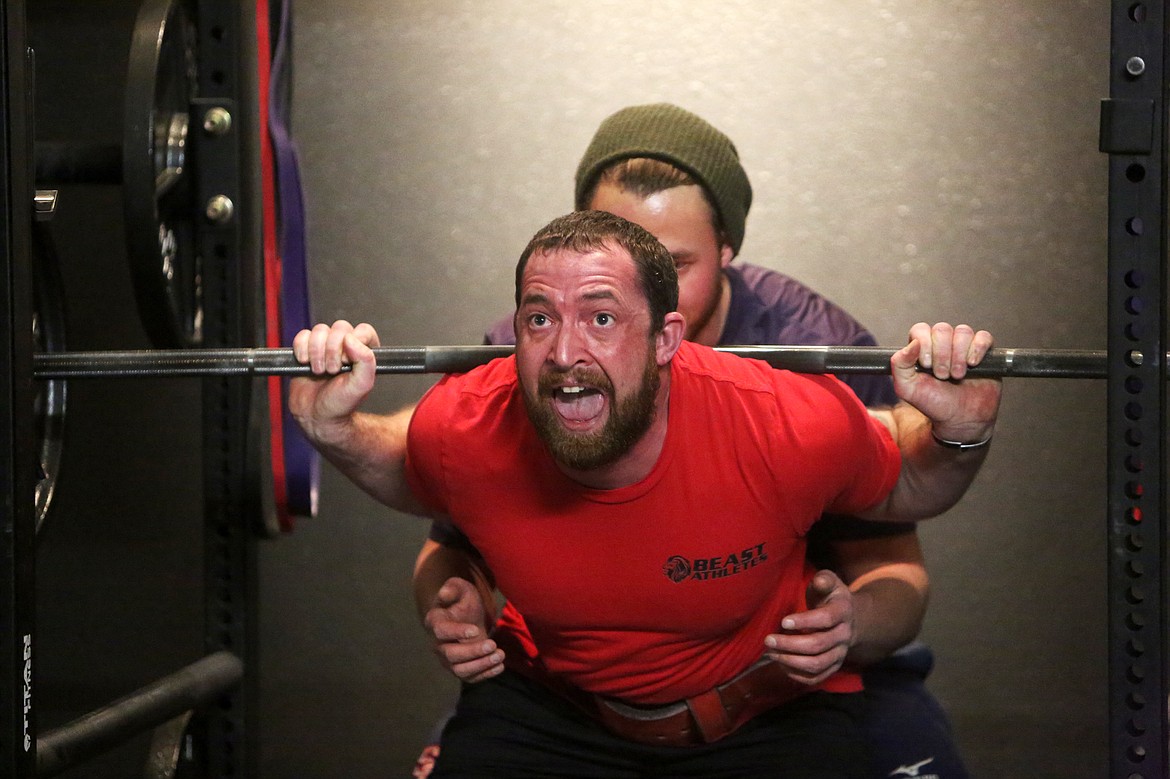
{"points": [[682, 220]]}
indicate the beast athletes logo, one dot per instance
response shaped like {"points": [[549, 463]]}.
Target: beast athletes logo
{"points": [[678, 568]]}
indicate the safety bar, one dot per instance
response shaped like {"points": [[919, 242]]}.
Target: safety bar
{"points": [[188, 688]]}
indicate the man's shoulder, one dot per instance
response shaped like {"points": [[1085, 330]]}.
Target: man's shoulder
{"points": [[696, 359], [778, 413], [705, 364], [495, 381]]}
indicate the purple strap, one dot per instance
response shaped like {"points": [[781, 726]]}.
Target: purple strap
{"points": [[302, 462]]}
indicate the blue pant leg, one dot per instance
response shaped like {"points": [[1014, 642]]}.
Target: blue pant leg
{"points": [[910, 734]]}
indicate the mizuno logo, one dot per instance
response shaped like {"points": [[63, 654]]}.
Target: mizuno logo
{"points": [[910, 770]]}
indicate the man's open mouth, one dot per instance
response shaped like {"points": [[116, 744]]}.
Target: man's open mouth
{"points": [[577, 403]]}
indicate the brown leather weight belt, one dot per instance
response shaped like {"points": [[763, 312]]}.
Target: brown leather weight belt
{"points": [[705, 718]]}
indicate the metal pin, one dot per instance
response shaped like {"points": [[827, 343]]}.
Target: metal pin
{"points": [[220, 209], [217, 121]]}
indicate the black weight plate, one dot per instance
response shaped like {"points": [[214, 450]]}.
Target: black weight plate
{"points": [[172, 752], [48, 336], [157, 181]]}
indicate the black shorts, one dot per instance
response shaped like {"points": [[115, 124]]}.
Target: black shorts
{"points": [[513, 727]]}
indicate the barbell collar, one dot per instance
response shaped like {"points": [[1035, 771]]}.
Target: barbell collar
{"points": [[998, 363]]}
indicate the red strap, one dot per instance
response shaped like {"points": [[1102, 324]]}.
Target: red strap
{"points": [[272, 268]]}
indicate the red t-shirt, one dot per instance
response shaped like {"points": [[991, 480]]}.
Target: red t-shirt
{"points": [[663, 589]]}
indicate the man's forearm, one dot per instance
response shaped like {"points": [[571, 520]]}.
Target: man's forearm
{"points": [[370, 450], [933, 476], [888, 613], [437, 563], [890, 586]]}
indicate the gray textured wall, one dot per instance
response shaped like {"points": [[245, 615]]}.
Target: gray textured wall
{"points": [[931, 161]]}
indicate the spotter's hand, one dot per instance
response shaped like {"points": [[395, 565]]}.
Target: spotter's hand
{"points": [[812, 645], [456, 622]]}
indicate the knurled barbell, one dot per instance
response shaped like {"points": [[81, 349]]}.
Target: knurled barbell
{"points": [[999, 361], [55, 368]]}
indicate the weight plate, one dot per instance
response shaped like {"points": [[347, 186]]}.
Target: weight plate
{"points": [[172, 752], [157, 181], [48, 336]]}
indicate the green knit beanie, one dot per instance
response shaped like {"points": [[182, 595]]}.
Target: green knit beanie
{"points": [[666, 132]]}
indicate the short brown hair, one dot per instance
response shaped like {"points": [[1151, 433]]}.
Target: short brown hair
{"points": [[586, 231]]}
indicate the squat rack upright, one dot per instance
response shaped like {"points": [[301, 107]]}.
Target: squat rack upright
{"points": [[223, 684], [1133, 133]]}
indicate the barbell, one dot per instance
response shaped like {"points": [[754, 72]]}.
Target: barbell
{"points": [[56, 368], [999, 361]]}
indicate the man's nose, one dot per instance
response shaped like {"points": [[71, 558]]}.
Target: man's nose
{"points": [[568, 348]]}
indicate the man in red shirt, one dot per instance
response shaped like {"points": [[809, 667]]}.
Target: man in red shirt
{"points": [[674, 174], [656, 553]]}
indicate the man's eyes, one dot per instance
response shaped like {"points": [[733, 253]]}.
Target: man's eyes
{"points": [[543, 320]]}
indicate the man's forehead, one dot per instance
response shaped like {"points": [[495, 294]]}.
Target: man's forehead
{"points": [[568, 277], [608, 260]]}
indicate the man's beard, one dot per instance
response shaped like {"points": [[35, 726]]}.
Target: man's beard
{"points": [[628, 419]]}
